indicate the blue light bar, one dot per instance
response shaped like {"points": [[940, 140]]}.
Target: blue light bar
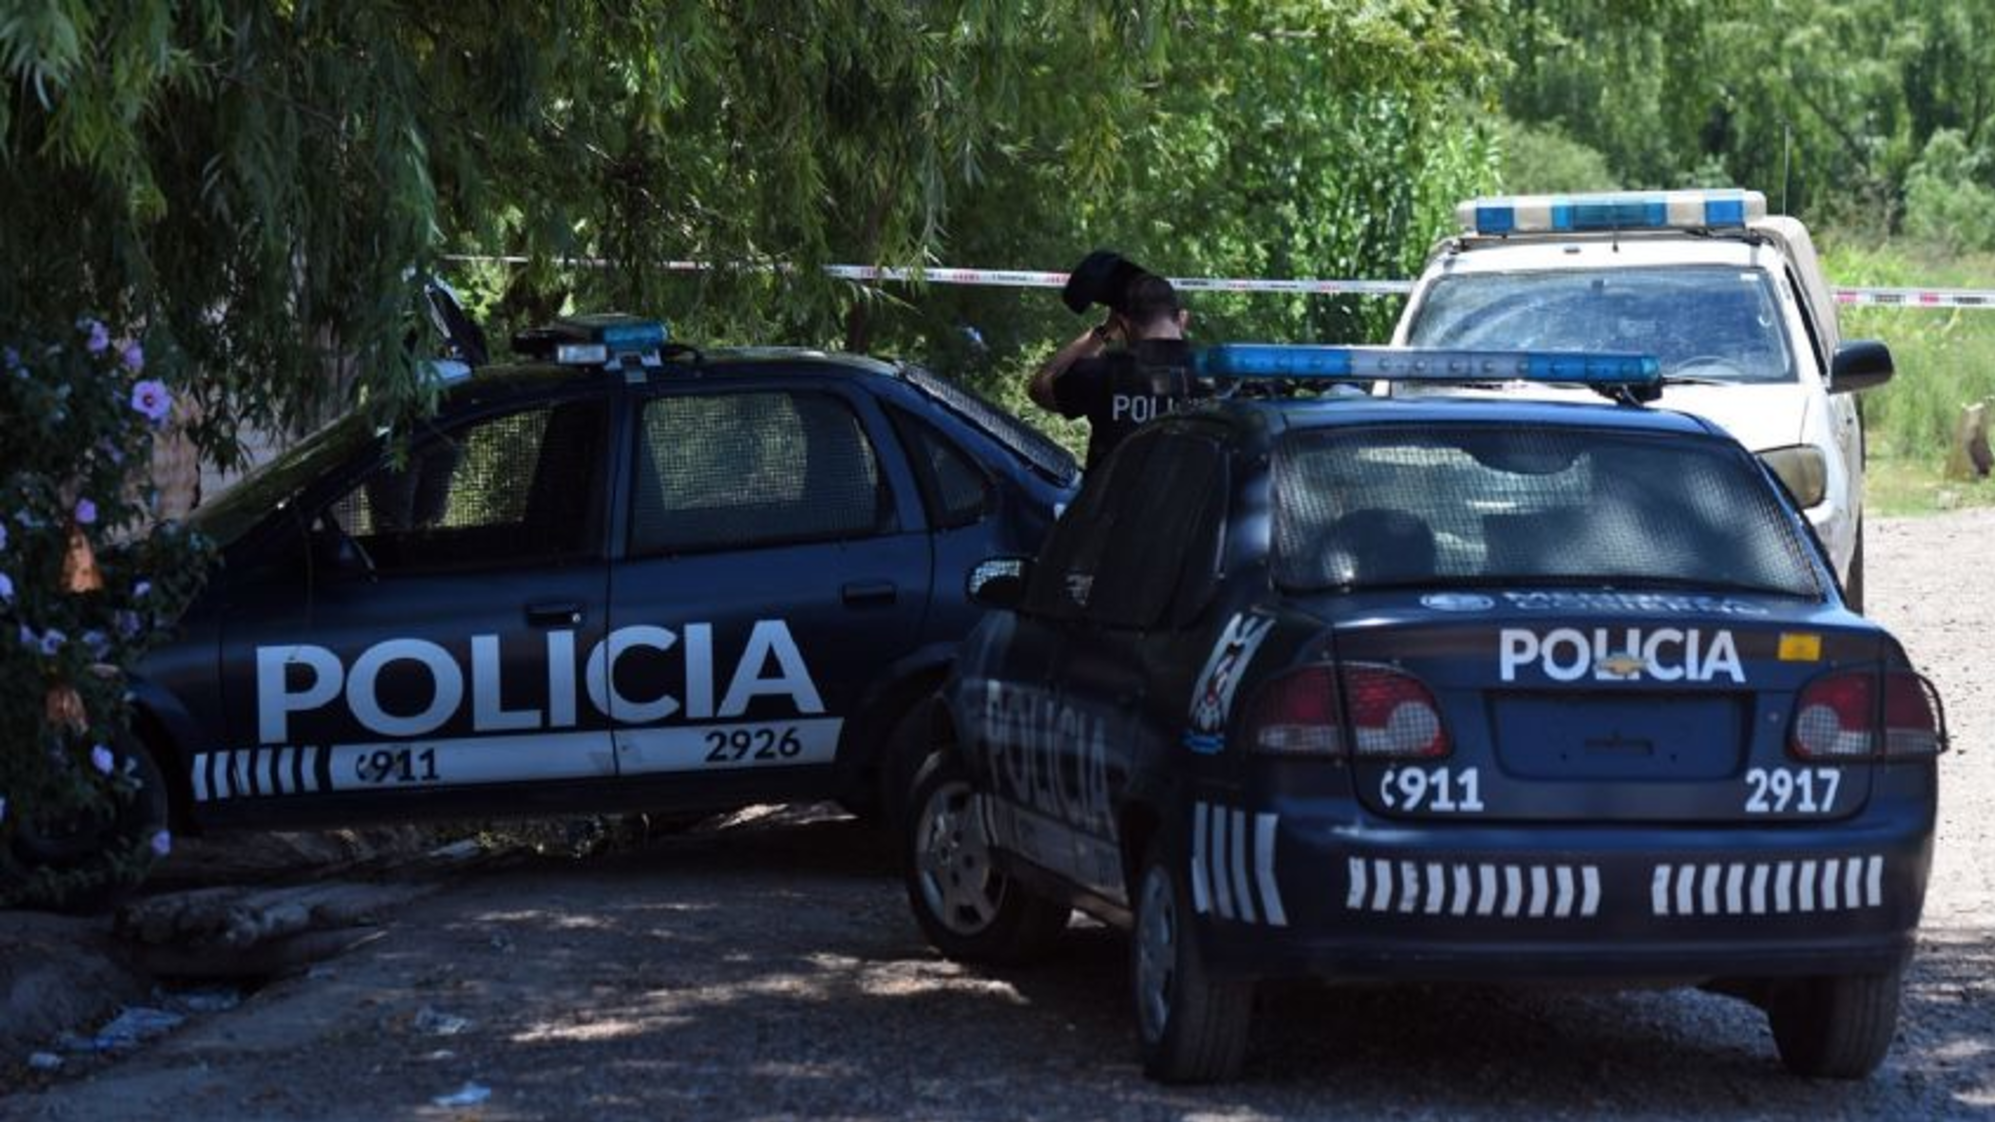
{"points": [[1412, 364], [632, 335], [1638, 210]]}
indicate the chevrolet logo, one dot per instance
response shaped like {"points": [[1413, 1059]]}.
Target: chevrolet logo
{"points": [[1623, 665]]}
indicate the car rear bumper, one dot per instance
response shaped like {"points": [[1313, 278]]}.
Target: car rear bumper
{"points": [[1284, 894]]}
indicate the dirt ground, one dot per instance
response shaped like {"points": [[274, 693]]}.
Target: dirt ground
{"points": [[774, 972]]}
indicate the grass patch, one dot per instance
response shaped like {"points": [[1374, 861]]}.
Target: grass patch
{"points": [[1900, 486]]}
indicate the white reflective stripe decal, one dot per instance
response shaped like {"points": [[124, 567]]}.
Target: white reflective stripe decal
{"points": [[1463, 897], [1264, 869], [1355, 899], [1242, 894], [1382, 881], [1201, 891], [1513, 895], [199, 774], [1590, 899], [1876, 882], [1686, 887], [1852, 888], [1486, 897], [1828, 884], [1540, 891], [1563, 907], [1659, 891], [1759, 888], [1735, 878], [1437, 892], [1711, 889], [1409, 886], [1223, 889], [1783, 884], [1830, 869], [469, 761], [675, 748], [1807, 886]]}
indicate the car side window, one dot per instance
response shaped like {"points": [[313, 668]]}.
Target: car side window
{"points": [[1160, 551], [516, 488], [955, 489], [752, 469], [1065, 580]]}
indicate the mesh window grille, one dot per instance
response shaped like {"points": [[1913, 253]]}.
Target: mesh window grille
{"points": [[505, 489], [1427, 506], [733, 471], [960, 492]]}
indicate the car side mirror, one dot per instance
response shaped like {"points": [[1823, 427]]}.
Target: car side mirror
{"points": [[999, 582], [1861, 364]]}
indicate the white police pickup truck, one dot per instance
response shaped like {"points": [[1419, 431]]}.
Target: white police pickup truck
{"points": [[1732, 301]]}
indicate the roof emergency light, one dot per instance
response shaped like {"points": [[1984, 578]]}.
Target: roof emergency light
{"points": [[1626, 210], [1598, 369], [593, 340]]}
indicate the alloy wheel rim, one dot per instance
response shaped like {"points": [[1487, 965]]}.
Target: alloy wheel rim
{"points": [[953, 861]]}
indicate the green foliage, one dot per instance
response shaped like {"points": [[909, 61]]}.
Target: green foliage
{"points": [[1541, 160], [81, 594], [1945, 203], [1944, 358]]}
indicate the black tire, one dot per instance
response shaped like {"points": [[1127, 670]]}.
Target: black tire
{"points": [[968, 910], [1853, 586], [1191, 1028], [84, 854], [1836, 1027]]}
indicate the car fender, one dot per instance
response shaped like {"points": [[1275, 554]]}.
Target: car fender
{"points": [[164, 724]]}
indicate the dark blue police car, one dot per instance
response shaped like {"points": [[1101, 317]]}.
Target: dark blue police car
{"points": [[617, 574], [1430, 688]]}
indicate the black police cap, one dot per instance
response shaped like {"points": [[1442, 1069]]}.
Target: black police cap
{"points": [[1103, 278]]}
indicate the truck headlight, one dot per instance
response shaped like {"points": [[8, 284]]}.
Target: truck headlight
{"points": [[1803, 469]]}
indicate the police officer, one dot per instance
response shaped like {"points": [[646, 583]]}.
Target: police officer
{"points": [[1146, 376]]}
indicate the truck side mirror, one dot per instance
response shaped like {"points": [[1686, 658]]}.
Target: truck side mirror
{"points": [[1861, 364]]}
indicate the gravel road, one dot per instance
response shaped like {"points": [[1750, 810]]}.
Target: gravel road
{"points": [[773, 972]]}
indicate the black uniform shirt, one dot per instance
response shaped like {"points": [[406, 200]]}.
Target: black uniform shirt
{"points": [[1120, 390]]}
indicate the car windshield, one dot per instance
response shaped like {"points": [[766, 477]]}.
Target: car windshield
{"points": [[1031, 445], [1477, 505], [1703, 322], [230, 513]]}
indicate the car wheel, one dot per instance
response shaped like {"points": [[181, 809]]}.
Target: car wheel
{"points": [[1192, 1028], [969, 910], [1835, 1027], [96, 857], [1853, 585]]}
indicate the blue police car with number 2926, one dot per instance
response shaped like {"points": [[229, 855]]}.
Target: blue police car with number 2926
{"points": [[619, 573]]}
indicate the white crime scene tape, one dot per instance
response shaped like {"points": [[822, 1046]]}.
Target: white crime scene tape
{"points": [[1028, 278]]}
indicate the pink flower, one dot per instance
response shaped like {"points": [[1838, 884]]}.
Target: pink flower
{"points": [[6, 587], [134, 356], [99, 337], [150, 398], [86, 512], [162, 843], [101, 759]]}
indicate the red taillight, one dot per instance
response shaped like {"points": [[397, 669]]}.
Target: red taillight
{"points": [[1834, 718], [1912, 723], [1296, 714], [1838, 717], [1393, 716]]}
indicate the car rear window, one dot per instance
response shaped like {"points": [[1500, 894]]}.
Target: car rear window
{"points": [[1028, 443], [1405, 505], [1702, 322]]}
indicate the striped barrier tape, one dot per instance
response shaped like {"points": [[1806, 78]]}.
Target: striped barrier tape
{"points": [[1026, 278]]}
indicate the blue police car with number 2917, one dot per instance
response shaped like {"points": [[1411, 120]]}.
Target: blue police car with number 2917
{"points": [[619, 573], [1431, 689]]}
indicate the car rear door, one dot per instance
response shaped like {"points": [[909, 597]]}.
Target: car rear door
{"points": [[774, 561], [432, 630]]}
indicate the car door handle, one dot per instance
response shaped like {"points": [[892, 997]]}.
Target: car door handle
{"points": [[861, 593], [564, 613]]}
